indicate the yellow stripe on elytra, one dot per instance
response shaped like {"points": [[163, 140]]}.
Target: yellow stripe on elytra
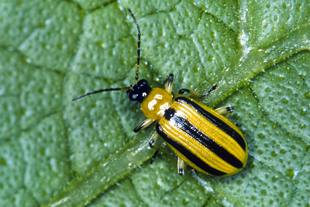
{"points": [[188, 161], [219, 116], [196, 148], [210, 130]]}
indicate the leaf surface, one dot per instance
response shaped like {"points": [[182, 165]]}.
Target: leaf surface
{"points": [[61, 153]]}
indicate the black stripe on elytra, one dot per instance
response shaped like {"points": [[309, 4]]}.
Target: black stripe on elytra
{"points": [[206, 141], [190, 156], [216, 121]]}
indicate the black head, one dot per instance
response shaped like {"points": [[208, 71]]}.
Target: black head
{"points": [[139, 91]]}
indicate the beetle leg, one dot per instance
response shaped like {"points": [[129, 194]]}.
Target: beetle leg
{"points": [[143, 125], [169, 83], [194, 93], [154, 156], [225, 110], [153, 139], [181, 166]]}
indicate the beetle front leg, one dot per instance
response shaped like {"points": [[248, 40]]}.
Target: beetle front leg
{"points": [[169, 83], [194, 93], [143, 125]]}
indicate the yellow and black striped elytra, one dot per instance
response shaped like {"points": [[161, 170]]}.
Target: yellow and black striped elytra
{"points": [[204, 140], [201, 137]]}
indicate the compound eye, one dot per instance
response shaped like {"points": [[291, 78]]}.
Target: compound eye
{"points": [[142, 83], [133, 96]]}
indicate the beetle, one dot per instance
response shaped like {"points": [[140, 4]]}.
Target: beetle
{"points": [[202, 137]]}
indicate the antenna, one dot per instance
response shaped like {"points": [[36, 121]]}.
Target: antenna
{"points": [[137, 71], [138, 50], [100, 91]]}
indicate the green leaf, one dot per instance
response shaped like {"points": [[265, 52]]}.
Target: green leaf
{"points": [[55, 152]]}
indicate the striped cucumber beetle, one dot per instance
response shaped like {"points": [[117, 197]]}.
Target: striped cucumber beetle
{"points": [[201, 137]]}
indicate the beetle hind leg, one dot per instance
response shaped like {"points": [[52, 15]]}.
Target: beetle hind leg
{"points": [[153, 139], [154, 156], [227, 110], [181, 166]]}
